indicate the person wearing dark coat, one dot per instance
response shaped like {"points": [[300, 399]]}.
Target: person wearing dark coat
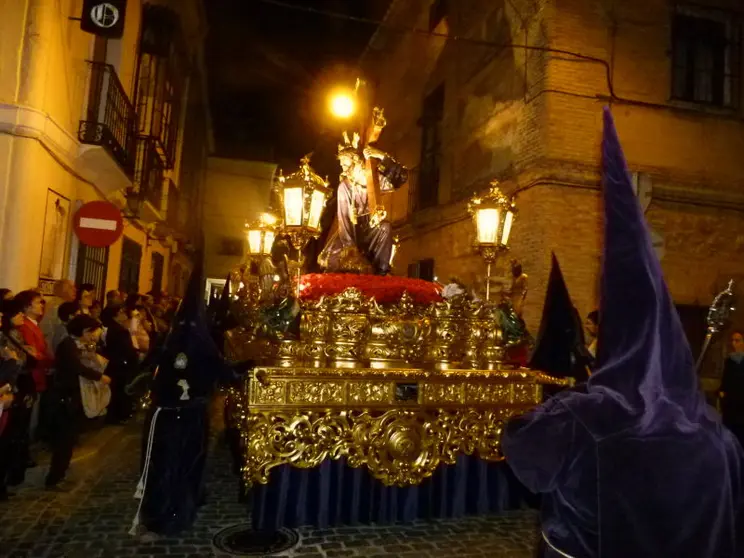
{"points": [[65, 400], [123, 362], [632, 463], [171, 487], [10, 368], [732, 387]]}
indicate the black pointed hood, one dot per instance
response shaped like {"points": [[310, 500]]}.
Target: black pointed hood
{"points": [[558, 350], [189, 352], [644, 359], [223, 316]]}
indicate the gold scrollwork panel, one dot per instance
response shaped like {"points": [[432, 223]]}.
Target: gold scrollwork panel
{"points": [[399, 447]]}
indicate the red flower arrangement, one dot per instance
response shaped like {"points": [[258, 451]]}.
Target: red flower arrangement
{"points": [[385, 290]]}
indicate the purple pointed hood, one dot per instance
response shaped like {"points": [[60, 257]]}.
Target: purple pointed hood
{"points": [[643, 355]]}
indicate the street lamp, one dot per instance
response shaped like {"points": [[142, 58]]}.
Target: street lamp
{"points": [[493, 216], [304, 195], [342, 105]]}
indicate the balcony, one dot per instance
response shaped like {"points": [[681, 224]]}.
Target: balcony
{"points": [[149, 181], [108, 131]]}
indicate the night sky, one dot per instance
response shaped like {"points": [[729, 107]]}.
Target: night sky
{"points": [[270, 71]]}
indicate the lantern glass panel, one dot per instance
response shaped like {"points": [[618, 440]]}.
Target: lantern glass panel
{"points": [[487, 223], [254, 242], [317, 202], [294, 203], [508, 221], [268, 242]]}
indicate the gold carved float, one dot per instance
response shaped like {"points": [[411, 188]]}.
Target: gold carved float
{"points": [[401, 424], [399, 388]]}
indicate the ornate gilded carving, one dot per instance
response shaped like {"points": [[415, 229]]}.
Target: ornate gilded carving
{"points": [[366, 393], [448, 333], [477, 329], [278, 388], [289, 352], [349, 328], [399, 447], [398, 335], [267, 393], [315, 392], [314, 328]]}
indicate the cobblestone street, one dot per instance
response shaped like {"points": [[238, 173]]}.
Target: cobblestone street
{"points": [[93, 520]]}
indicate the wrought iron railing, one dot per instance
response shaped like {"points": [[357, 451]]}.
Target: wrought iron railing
{"points": [[173, 218], [110, 121], [149, 175]]}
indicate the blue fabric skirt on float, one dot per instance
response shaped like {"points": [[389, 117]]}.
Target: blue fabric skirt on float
{"points": [[335, 494]]}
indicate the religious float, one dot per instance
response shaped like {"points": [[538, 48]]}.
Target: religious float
{"points": [[368, 386]]}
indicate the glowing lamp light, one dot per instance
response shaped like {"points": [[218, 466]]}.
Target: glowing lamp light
{"points": [[304, 196], [261, 235], [493, 217], [342, 105], [294, 206]]}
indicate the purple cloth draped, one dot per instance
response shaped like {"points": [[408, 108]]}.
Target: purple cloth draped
{"points": [[633, 463], [375, 243]]}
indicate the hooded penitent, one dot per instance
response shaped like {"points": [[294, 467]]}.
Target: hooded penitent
{"points": [[633, 463], [559, 350], [175, 437]]}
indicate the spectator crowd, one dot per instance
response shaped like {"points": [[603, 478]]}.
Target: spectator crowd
{"points": [[67, 363]]}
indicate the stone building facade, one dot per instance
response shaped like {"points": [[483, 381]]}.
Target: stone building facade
{"points": [[86, 118], [517, 97]]}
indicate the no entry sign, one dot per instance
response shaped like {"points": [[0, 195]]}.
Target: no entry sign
{"points": [[98, 224]]}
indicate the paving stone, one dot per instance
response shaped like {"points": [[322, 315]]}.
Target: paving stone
{"points": [[93, 520]]}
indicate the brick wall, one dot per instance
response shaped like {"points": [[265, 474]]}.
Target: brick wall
{"points": [[535, 118]]}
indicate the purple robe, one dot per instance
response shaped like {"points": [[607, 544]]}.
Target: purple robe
{"points": [[634, 463], [375, 243]]}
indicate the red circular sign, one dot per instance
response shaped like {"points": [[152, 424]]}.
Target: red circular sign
{"points": [[98, 224]]}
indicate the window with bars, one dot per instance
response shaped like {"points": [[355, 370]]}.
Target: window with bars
{"points": [[131, 261], [431, 148], [706, 57], [92, 264]]}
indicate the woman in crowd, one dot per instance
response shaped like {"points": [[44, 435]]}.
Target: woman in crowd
{"points": [[19, 419], [10, 367], [732, 387], [123, 362], [66, 398], [96, 309], [65, 312], [42, 359], [140, 337], [86, 295]]}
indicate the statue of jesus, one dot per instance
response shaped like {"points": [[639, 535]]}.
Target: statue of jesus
{"points": [[358, 232]]}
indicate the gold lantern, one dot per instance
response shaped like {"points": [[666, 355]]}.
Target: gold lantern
{"points": [[493, 216], [260, 235], [304, 195]]}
